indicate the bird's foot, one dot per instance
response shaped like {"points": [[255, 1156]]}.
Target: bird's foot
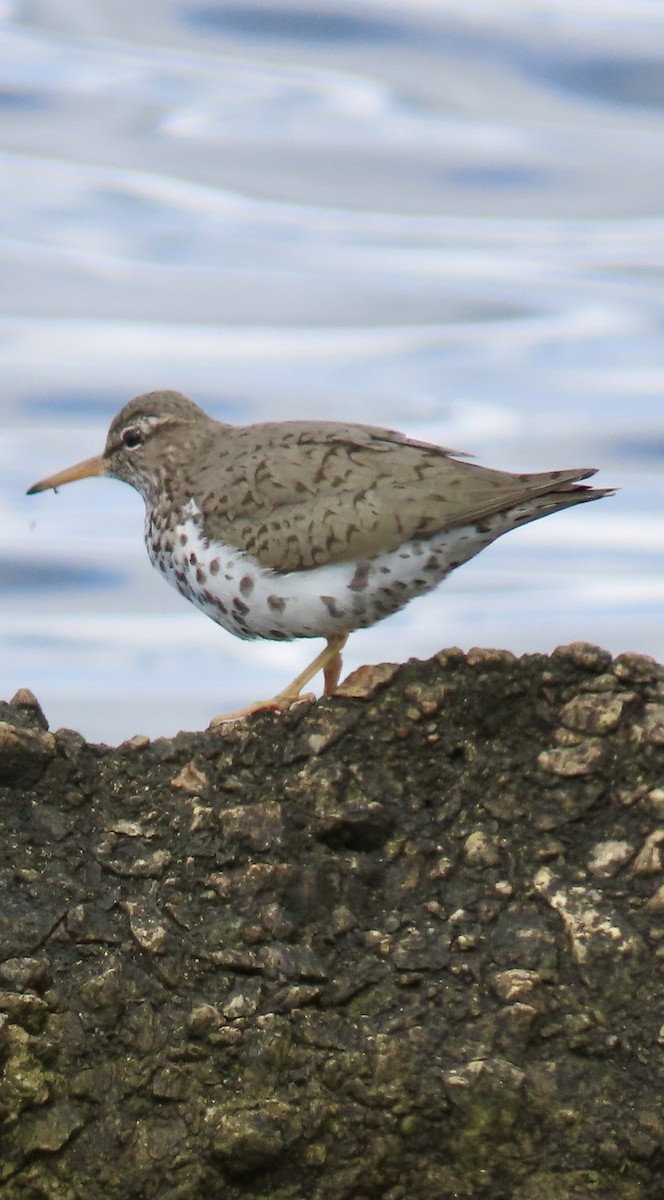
{"points": [[282, 702], [328, 661]]}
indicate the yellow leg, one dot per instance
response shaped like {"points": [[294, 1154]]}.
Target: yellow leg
{"points": [[328, 661], [332, 670]]}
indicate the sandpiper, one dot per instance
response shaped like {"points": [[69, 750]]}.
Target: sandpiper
{"points": [[306, 529]]}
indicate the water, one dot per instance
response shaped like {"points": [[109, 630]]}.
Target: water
{"points": [[443, 217]]}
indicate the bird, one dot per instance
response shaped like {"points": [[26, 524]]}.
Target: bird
{"points": [[308, 528]]}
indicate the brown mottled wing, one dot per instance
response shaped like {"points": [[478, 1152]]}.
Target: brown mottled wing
{"points": [[298, 494]]}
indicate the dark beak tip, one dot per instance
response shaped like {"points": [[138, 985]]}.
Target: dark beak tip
{"points": [[82, 470]]}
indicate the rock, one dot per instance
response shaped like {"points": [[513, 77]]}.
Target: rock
{"points": [[585, 655], [482, 849], [649, 858], [24, 755], [583, 759], [25, 710], [190, 779], [637, 667], [597, 714], [252, 827], [607, 858], [50, 1130], [404, 943], [250, 1141]]}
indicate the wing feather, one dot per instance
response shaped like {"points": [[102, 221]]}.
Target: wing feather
{"points": [[301, 494]]}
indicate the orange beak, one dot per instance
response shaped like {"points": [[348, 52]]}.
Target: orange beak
{"points": [[82, 470]]}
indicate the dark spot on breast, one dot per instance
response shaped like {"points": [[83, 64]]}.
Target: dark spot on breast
{"points": [[183, 539], [215, 601], [201, 575], [277, 603], [193, 560], [360, 579], [240, 606], [247, 585], [214, 566], [332, 606]]}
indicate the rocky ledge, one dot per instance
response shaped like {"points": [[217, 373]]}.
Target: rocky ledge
{"points": [[407, 943]]}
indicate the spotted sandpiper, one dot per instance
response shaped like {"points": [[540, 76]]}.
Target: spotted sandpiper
{"points": [[299, 529]]}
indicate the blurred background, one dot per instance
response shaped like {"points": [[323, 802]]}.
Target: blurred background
{"points": [[445, 216]]}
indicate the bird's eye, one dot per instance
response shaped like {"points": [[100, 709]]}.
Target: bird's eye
{"points": [[132, 438]]}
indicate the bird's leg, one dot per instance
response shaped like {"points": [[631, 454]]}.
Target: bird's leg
{"points": [[332, 669], [328, 661]]}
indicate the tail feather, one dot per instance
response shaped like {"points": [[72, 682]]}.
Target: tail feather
{"points": [[564, 494]]}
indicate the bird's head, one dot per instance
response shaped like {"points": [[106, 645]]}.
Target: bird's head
{"points": [[146, 440]]}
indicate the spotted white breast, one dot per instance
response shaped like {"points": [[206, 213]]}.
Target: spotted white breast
{"points": [[254, 602]]}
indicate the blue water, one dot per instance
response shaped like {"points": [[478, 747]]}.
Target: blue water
{"points": [[446, 218]]}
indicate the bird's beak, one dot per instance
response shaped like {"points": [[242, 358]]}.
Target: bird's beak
{"points": [[82, 470]]}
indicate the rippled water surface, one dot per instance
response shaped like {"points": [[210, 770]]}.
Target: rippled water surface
{"points": [[446, 217]]}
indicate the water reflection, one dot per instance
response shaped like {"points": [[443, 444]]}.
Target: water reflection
{"points": [[440, 219], [299, 24]]}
